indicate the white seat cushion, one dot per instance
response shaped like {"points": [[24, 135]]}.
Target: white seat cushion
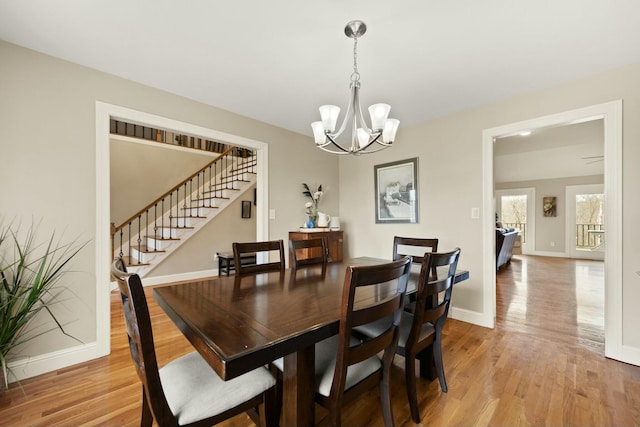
{"points": [[326, 352], [195, 392]]}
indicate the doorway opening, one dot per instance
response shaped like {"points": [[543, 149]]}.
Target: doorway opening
{"points": [[611, 113], [104, 113]]}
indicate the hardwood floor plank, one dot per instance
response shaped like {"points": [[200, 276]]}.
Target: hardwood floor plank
{"points": [[543, 364]]}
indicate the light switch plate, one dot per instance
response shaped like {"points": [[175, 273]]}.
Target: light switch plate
{"points": [[475, 213], [272, 214]]}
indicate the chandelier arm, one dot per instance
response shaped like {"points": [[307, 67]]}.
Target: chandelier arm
{"points": [[371, 151], [348, 114], [374, 138], [379, 141], [332, 141], [323, 148], [359, 117]]}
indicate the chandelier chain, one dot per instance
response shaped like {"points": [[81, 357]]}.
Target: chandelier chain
{"points": [[355, 76]]}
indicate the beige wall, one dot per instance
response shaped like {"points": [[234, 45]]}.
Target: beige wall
{"points": [[450, 179], [48, 153], [140, 173]]}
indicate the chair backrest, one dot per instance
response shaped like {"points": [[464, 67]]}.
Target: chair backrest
{"points": [[315, 250], [378, 306], [140, 335], [255, 247], [430, 307], [414, 247]]}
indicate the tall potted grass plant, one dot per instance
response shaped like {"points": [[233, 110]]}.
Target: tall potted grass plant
{"points": [[30, 272]]}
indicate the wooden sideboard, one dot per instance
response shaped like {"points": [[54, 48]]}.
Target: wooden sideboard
{"points": [[332, 239]]}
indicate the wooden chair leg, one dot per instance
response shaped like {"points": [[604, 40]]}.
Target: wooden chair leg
{"points": [[270, 414], [437, 359], [277, 404], [385, 400], [410, 372], [146, 419]]}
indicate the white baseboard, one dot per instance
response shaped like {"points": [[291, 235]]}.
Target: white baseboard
{"points": [[32, 366], [630, 355], [469, 316], [551, 254]]}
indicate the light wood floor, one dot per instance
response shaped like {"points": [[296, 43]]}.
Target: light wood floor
{"points": [[542, 365]]}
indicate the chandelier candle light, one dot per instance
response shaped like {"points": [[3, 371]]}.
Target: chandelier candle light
{"points": [[382, 131]]}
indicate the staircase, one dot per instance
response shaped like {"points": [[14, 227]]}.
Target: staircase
{"points": [[146, 239]]}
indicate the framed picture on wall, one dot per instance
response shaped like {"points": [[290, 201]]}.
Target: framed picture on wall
{"points": [[246, 209], [549, 206], [396, 192]]}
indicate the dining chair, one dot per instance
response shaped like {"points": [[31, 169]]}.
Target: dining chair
{"points": [[423, 327], [186, 391], [414, 247], [346, 367], [315, 250], [255, 247]]}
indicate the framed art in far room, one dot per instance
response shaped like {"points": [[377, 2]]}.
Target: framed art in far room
{"points": [[396, 192], [549, 206]]}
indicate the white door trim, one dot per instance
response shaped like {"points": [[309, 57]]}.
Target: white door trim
{"points": [[611, 113]]}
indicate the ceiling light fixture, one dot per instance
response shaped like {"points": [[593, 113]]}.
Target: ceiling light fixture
{"points": [[364, 139]]}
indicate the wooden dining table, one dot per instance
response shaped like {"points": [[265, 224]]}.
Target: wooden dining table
{"points": [[239, 323]]}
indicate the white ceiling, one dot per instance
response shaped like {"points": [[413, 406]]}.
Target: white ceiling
{"points": [[277, 61]]}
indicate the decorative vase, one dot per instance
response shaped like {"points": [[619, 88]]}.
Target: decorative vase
{"points": [[311, 222]]}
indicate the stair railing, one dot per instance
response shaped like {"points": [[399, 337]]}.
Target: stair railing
{"points": [[185, 200]]}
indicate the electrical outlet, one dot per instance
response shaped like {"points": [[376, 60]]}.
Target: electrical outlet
{"points": [[552, 244]]}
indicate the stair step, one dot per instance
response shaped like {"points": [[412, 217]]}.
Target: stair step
{"points": [[145, 249], [159, 243], [132, 262], [184, 221], [230, 184], [209, 202], [145, 254], [200, 210], [172, 232]]}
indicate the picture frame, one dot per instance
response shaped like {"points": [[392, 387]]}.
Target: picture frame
{"points": [[246, 209], [549, 207], [396, 192]]}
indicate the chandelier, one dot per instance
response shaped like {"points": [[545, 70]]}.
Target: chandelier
{"points": [[364, 139]]}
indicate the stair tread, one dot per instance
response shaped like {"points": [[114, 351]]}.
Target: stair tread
{"points": [[145, 249], [211, 197], [162, 238], [132, 262]]}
